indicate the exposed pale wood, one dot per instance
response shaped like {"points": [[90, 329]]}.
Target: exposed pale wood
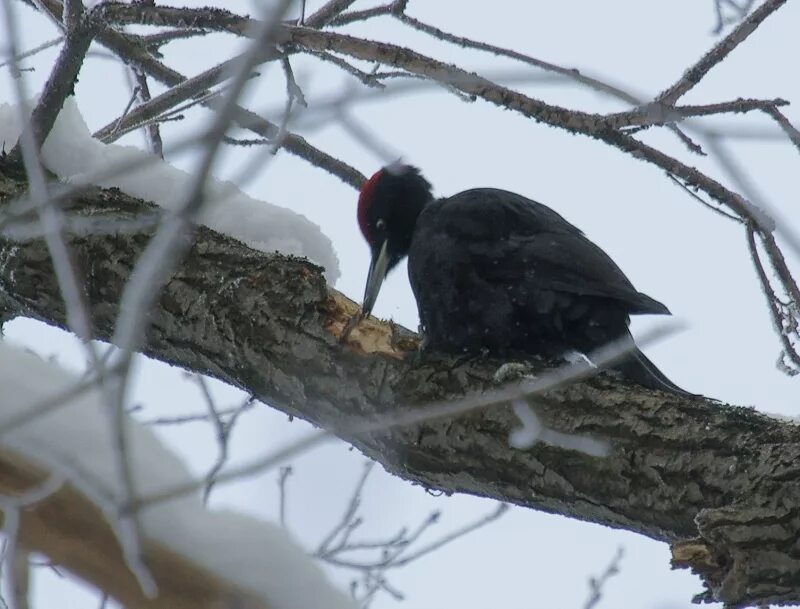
{"points": [[74, 533]]}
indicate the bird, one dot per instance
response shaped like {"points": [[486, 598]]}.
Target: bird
{"points": [[496, 273]]}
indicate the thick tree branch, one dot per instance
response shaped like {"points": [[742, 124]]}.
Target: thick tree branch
{"points": [[72, 531], [724, 477]]}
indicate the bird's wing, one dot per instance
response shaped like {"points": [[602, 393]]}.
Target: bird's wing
{"points": [[515, 241]]}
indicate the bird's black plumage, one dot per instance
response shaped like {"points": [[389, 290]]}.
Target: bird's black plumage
{"points": [[496, 272]]}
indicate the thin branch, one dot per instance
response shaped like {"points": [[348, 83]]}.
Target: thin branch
{"points": [[695, 74], [156, 41], [124, 46], [789, 129], [772, 299], [327, 13], [781, 269], [703, 202], [32, 412], [171, 241], [131, 100], [222, 430], [457, 534], [569, 120], [140, 13], [349, 516], [283, 475], [467, 43], [197, 418], [151, 129], [739, 13], [363, 15], [658, 114], [366, 78], [63, 76], [42, 47], [596, 584], [294, 94], [366, 138], [178, 93]]}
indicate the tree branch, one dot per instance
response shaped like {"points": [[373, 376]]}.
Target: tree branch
{"points": [[740, 33], [572, 121], [62, 78], [270, 325], [72, 531]]}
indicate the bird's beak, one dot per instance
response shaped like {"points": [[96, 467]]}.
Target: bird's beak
{"points": [[377, 271]]}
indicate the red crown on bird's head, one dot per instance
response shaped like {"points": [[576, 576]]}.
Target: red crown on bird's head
{"points": [[365, 200], [368, 192]]}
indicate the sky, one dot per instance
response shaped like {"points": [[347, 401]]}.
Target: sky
{"points": [[668, 245]]}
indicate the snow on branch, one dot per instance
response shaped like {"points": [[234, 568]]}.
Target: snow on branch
{"points": [[198, 557], [74, 155]]}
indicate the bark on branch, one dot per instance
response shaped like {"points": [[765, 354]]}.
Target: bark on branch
{"points": [[718, 482]]}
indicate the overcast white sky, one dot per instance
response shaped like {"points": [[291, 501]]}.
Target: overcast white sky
{"points": [[668, 245]]}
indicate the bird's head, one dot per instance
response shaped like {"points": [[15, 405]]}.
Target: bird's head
{"points": [[388, 207]]}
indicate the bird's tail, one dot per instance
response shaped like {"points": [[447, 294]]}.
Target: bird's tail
{"points": [[638, 368]]}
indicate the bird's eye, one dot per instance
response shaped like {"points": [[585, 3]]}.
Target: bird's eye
{"points": [[381, 224]]}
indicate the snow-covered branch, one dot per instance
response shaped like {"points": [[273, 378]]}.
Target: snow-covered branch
{"points": [[198, 557]]}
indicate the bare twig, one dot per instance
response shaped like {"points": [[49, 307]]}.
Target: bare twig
{"points": [[658, 114], [366, 78], [481, 522], [327, 13], [349, 517], [568, 73], [363, 15], [694, 75], [186, 89], [366, 138], [60, 400], [244, 118], [596, 584], [789, 129], [703, 202], [156, 41], [773, 303], [294, 94], [739, 13], [42, 47], [222, 430], [284, 474], [570, 120], [131, 100], [200, 417], [152, 129], [170, 242]]}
